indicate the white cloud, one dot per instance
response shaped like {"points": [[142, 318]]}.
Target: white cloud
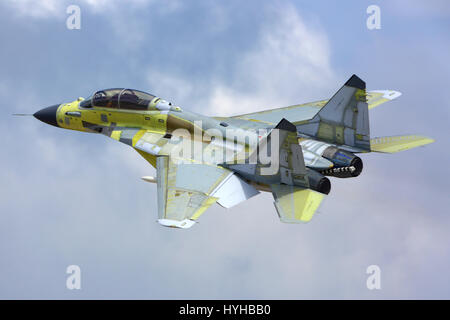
{"points": [[289, 63], [57, 8], [170, 87], [37, 9]]}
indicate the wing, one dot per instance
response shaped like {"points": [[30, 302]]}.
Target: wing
{"points": [[187, 187], [306, 111], [293, 113], [182, 195], [398, 143], [186, 190]]}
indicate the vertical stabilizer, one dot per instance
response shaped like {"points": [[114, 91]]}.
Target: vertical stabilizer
{"points": [[278, 159], [344, 120]]}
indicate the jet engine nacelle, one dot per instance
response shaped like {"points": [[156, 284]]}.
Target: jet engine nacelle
{"points": [[318, 182], [346, 164]]}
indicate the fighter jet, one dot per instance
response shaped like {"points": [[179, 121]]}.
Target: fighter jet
{"points": [[202, 160]]}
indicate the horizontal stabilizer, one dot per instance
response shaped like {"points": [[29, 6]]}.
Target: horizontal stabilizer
{"points": [[295, 204], [398, 143], [377, 97]]}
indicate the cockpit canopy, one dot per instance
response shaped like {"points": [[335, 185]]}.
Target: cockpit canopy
{"points": [[119, 98]]}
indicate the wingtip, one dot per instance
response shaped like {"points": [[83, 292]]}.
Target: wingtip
{"points": [[388, 94], [429, 140], [183, 224]]}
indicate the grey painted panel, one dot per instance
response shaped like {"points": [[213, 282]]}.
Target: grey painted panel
{"points": [[286, 176], [349, 136], [161, 171], [197, 177], [310, 129], [362, 124], [127, 136], [348, 117], [334, 109]]}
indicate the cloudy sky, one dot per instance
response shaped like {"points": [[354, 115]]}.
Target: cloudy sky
{"points": [[73, 198]]}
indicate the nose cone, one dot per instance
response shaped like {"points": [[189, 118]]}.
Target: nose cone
{"points": [[48, 115]]}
